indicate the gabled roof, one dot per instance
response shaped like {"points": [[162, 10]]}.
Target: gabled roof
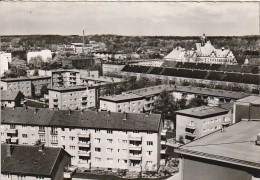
{"points": [[177, 53], [7, 95], [85, 119], [236, 145], [29, 160]]}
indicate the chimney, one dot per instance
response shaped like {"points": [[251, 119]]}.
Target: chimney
{"points": [[9, 151], [124, 115], [35, 110], [108, 113]]}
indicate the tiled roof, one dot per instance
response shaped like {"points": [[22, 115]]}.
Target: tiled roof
{"points": [[29, 160], [86, 119], [236, 145], [7, 95]]}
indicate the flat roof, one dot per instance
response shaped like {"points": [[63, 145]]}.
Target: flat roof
{"points": [[79, 119], [25, 78], [121, 97], [65, 89], [202, 111], [250, 99], [235, 146]]}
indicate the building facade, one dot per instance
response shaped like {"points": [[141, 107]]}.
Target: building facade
{"points": [[11, 98], [65, 78], [44, 54], [95, 140], [5, 59]]}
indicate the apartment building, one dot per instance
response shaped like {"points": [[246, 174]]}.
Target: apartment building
{"points": [[76, 97], [194, 123], [95, 140], [33, 162], [5, 59], [142, 100], [44, 54], [229, 155], [112, 68], [65, 78], [29, 86], [11, 98]]}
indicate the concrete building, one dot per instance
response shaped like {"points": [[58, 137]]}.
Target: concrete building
{"points": [[11, 98], [78, 63], [76, 97], [247, 108], [65, 78], [29, 86], [33, 162], [5, 58], [95, 140], [112, 68], [194, 123], [229, 155], [44, 54]]}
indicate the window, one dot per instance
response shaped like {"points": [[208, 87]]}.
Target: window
{"points": [[135, 132], [71, 138], [12, 126], [24, 135], [110, 160], [109, 140], [71, 129], [109, 131], [39, 177], [125, 132], [149, 162], [42, 137], [2, 133], [97, 130], [32, 127], [204, 130], [63, 129], [33, 136], [149, 132], [124, 141], [149, 143], [97, 140], [97, 159], [149, 153], [109, 150], [24, 126], [72, 147], [63, 138], [124, 150], [125, 161], [98, 149]]}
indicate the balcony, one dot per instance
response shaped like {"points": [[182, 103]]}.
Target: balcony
{"points": [[12, 131], [84, 153], [54, 132], [189, 126], [41, 131], [84, 134], [163, 142], [135, 157], [163, 151], [193, 135], [54, 141], [14, 140], [83, 144], [135, 138], [226, 123], [163, 132], [135, 147]]}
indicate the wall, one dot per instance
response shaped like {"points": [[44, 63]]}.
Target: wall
{"points": [[15, 177]]}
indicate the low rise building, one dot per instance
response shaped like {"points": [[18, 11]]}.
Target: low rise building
{"points": [[33, 162], [76, 97], [195, 123], [44, 54], [11, 98], [229, 155], [95, 140]]}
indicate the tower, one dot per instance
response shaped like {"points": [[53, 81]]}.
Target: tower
{"points": [[203, 39], [83, 44]]}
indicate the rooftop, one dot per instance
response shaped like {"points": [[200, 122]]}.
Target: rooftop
{"points": [[27, 159], [251, 99], [24, 78], [73, 88], [121, 97], [202, 111], [7, 95], [236, 145], [87, 119]]}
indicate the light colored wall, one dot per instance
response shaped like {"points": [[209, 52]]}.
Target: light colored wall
{"points": [[15, 177], [8, 103], [23, 86], [5, 58]]}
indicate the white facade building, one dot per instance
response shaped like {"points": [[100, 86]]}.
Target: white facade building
{"points": [[5, 58], [44, 54]]}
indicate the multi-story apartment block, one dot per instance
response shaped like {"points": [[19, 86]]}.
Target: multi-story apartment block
{"points": [[44, 54], [95, 140], [194, 123], [29, 86], [229, 155], [33, 162], [11, 98], [65, 78], [5, 59], [76, 97], [142, 100]]}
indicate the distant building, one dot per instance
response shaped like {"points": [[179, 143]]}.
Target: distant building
{"points": [[150, 62], [11, 98], [195, 123], [178, 54], [5, 58], [33, 162], [112, 68], [95, 140], [78, 63], [65, 78], [76, 97], [229, 155], [44, 54]]}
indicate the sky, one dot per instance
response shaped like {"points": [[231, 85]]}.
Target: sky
{"points": [[130, 18]]}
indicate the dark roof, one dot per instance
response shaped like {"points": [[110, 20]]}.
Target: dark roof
{"points": [[87, 119], [25, 78], [65, 89], [29, 160], [7, 95], [235, 146]]}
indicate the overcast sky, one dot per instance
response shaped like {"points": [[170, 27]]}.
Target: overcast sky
{"points": [[130, 18]]}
